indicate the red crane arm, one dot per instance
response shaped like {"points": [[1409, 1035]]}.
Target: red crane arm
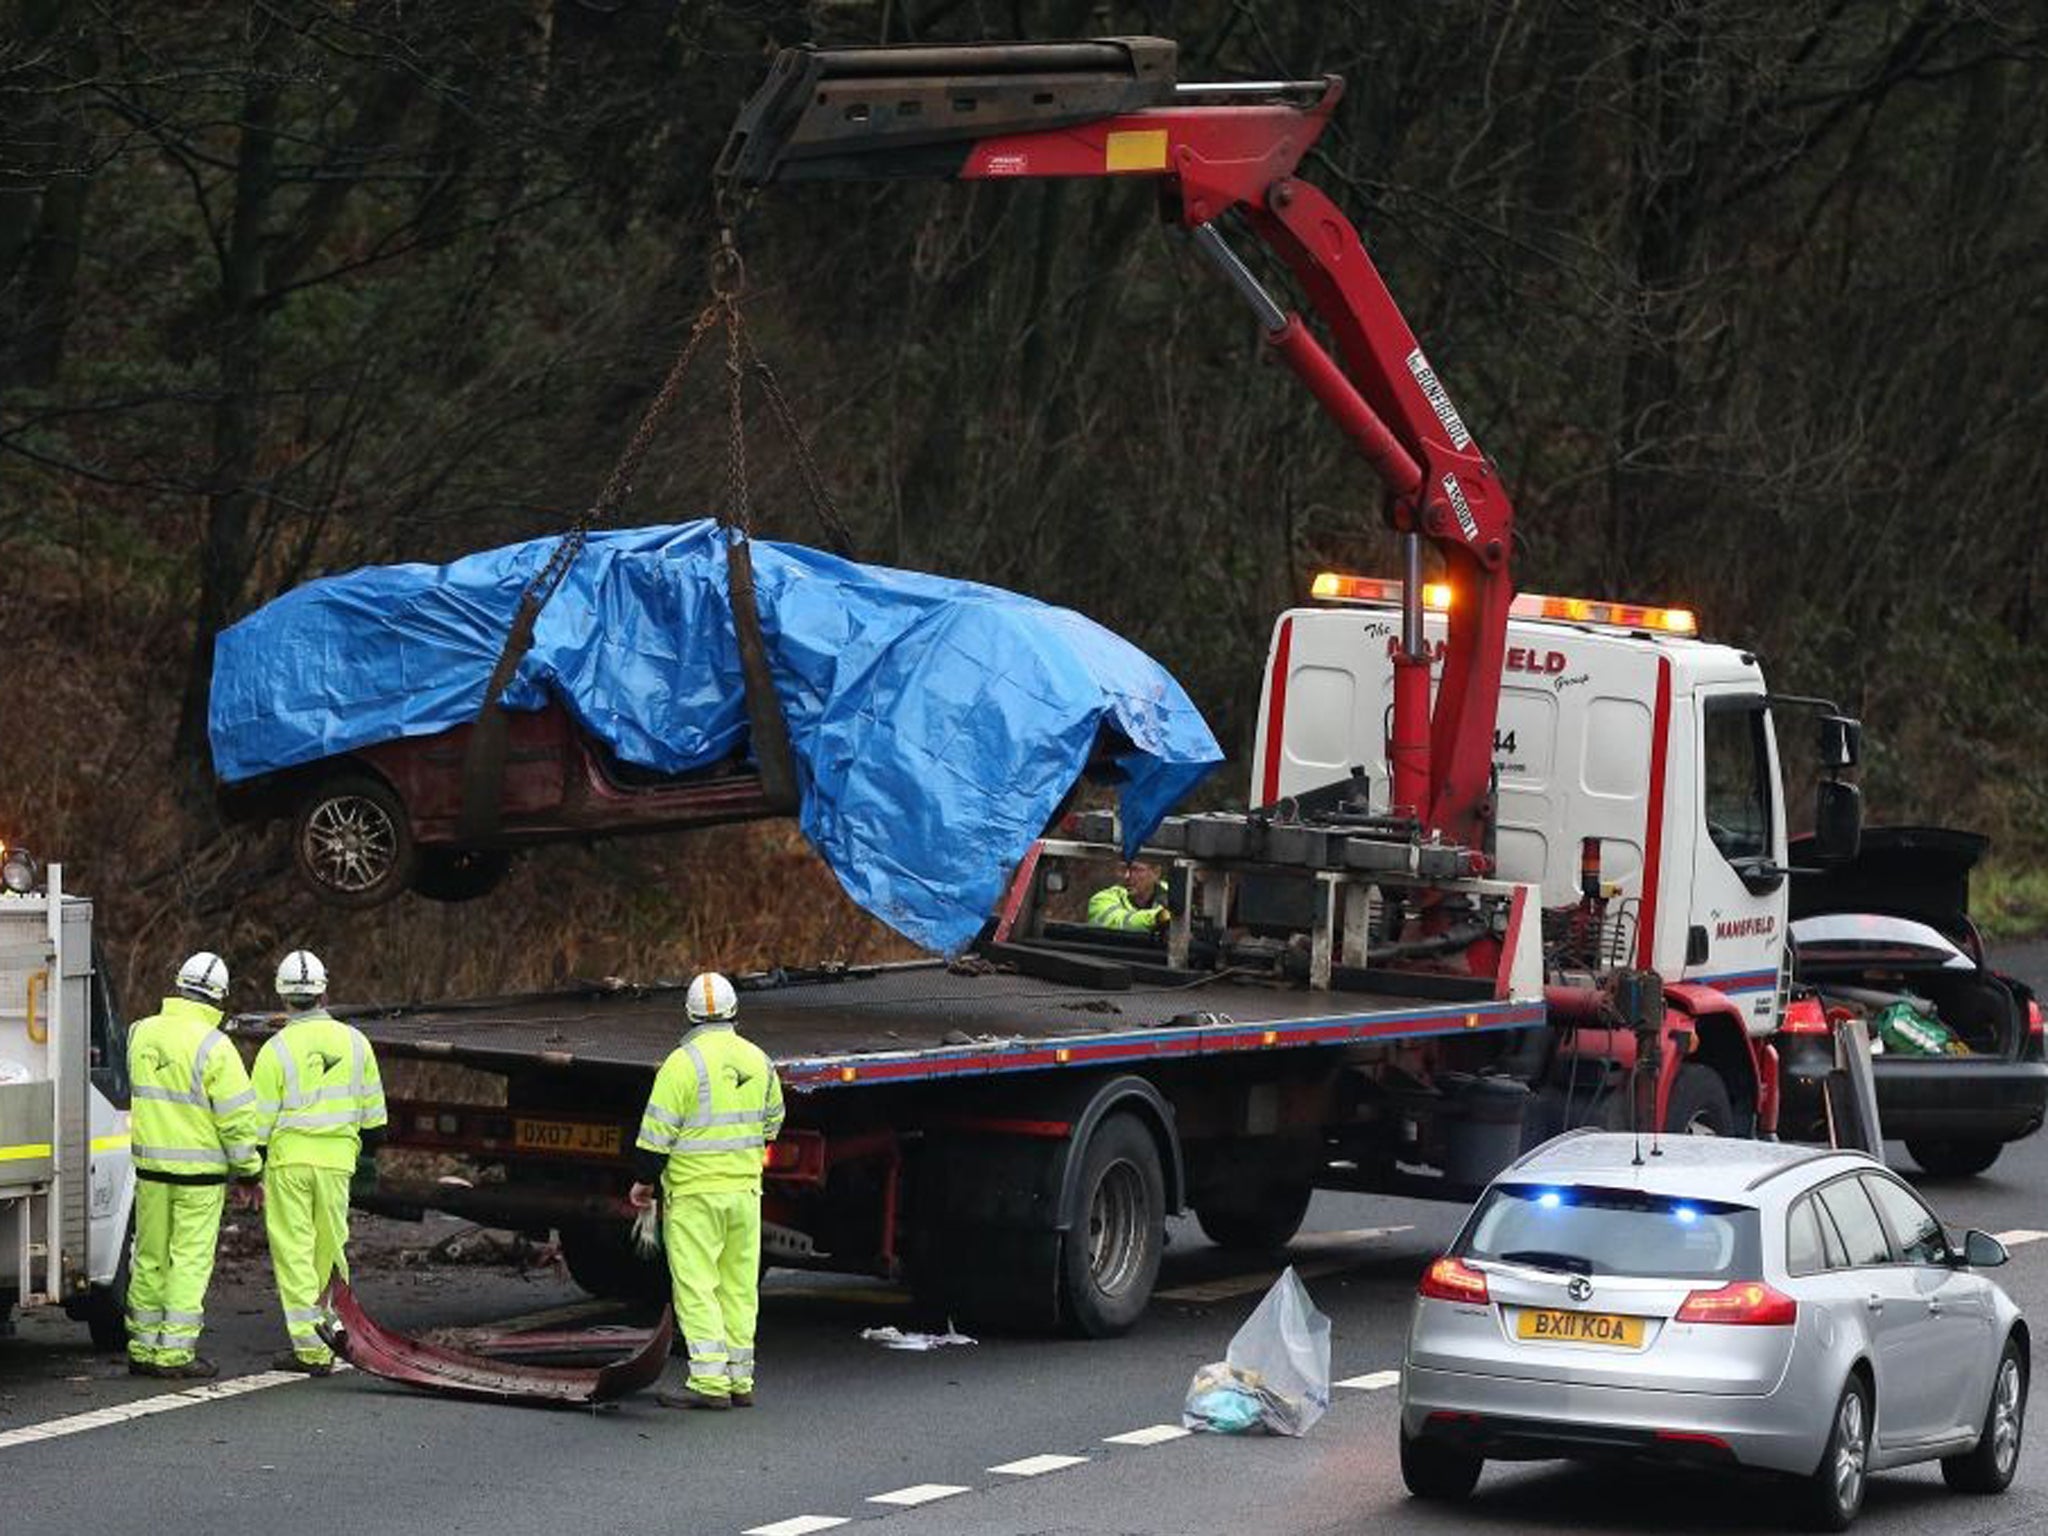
{"points": [[1111, 108]]}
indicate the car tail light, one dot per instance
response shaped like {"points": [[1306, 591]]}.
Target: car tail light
{"points": [[1450, 1279], [2034, 1018], [1749, 1302], [1804, 1016]]}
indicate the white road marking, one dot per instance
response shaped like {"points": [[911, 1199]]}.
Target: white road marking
{"points": [[1154, 1434], [1313, 1242], [918, 1493], [1033, 1466], [796, 1525], [2019, 1237], [163, 1402], [1373, 1381]]}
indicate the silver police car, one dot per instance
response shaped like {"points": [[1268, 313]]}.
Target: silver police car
{"points": [[1715, 1303]]}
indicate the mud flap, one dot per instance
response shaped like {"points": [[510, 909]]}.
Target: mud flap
{"points": [[452, 1373]]}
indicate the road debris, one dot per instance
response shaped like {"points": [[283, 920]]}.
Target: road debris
{"points": [[897, 1338]]}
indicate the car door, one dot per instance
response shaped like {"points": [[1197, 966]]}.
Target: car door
{"points": [[1908, 1402], [1734, 936], [1952, 1338]]}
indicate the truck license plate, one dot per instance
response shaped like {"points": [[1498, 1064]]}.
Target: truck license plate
{"points": [[1580, 1328], [565, 1136]]}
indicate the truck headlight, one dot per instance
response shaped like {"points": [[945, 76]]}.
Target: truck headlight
{"points": [[18, 871]]}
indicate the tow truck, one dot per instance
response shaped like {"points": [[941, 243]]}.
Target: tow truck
{"points": [[67, 1181], [1511, 863]]}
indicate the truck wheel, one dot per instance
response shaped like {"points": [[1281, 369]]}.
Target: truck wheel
{"points": [[106, 1306], [459, 874], [1269, 1222], [1115, 1230], [1699, 1104], [1956, 1158], [601, 1259], [352, 842]]}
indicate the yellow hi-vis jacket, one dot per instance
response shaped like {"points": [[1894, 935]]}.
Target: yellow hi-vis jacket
{"points": [[193, 1118], [1112, 907], [716, 1104], [317, 1091]]}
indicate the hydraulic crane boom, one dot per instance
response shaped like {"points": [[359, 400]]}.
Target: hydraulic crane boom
{"points": [[1113, 107]]}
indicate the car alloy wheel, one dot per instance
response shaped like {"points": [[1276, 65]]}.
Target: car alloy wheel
{"points": [[351, 840], [2007, 1400], [1852, 1446]]}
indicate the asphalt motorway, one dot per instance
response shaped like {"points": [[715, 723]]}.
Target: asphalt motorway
{"points": [[1002, 1437]]}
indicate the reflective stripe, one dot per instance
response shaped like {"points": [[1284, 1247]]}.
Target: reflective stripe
{"points": [[241, 1152], [307, 1120], [208, 1044], [304, 1314], [145, 1315], [656, 1112], [688, 1145], [701, 1114], [196, 1319], [234, 1102], [706, 1347], [742, 1357], [356, 1074], [655, 1139], [293, 1095], [735, 1117], [211, 1158], [169, 1095]]}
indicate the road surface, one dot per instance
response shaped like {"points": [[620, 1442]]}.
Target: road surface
{"points": [[1002, 1438]]}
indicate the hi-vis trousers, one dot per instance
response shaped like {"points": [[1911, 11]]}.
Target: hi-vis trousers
{"points": [[177, 1229], [714, 1267], [305, 1216]]}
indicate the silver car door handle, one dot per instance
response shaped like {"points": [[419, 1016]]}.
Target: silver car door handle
{"points": [[1934, 1306], [1874, 1303]]}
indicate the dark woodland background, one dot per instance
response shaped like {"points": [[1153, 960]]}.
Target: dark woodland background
{"points": [[1749, 299]]}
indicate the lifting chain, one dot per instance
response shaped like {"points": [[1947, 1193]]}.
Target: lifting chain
{"points": [[483, 764]]}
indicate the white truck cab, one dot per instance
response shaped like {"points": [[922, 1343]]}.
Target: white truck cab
{"points": [[1616, 723], [67, 1181]]}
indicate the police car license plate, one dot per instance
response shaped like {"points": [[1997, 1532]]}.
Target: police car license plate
{"points": [[1548, 1327], [565, 1136]]}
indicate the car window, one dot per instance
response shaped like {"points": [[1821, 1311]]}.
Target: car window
{"points": [[1856, 1220], [1804, 1254], [1830, 1240], [1596, 1231], [1915, 1231]]}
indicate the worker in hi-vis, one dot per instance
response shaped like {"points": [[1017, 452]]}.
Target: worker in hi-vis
{"points": [[320, 1103], [716, 1105], [1137, 904], [191, 1125]]}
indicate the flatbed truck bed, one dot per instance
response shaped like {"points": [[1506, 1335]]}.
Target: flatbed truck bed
{"points": [[916, 1022]]}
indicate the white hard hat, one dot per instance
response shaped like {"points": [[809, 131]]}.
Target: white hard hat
{"points": [[204, 975], [300, 975], [711, 999]]}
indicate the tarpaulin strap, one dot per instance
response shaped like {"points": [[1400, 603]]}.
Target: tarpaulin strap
{"points": [[483, 759]]}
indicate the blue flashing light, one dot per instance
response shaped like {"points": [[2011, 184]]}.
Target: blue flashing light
{"points": [[1686, 1214], [1550, 1200]]}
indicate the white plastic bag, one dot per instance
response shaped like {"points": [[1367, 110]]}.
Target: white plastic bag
{"points": [[1275, 1376]]}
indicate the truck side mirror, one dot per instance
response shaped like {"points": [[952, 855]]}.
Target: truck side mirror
{"points": [[1837, 821], [1841, 742]]}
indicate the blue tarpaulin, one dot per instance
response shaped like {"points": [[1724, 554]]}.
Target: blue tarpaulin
{"points": [[936, 724]]}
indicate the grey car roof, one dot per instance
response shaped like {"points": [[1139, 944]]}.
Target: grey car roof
{"points": [[1713, 1168]]}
